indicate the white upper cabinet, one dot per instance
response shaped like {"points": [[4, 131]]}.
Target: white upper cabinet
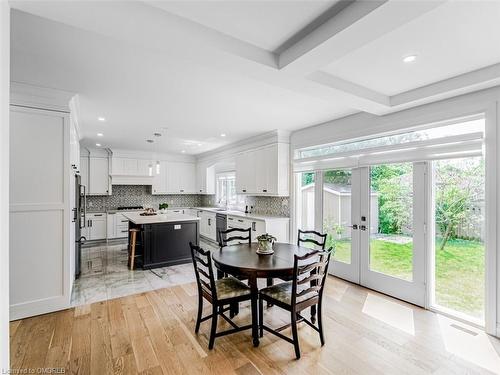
{"points": [[180, 177], [98, 176], [263, 171], [124, 166], [205, 179], [246, 173], [174, 178], [160, 180]]}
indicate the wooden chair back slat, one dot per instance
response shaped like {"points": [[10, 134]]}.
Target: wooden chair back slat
{"points": [[224, 239], [319, 240], [309, 279], [309, 290]]}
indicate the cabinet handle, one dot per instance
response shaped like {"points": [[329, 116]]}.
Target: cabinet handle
{"points": [[124, 231], [97, 214], [182, 191], [124, 221], [253, 226], [230, 218], [264, 190], [209, 221], [244, 190]]}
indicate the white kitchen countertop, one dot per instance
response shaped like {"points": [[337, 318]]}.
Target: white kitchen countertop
{"points": [[136, 218], [242, 214]]}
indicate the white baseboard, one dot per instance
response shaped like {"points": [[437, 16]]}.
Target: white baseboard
{"points": [[39, 307]]}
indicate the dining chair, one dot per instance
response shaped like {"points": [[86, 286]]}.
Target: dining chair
{"points": [[224, 240], [305, 237], [311, 236], [219, 293], [305, 290]]}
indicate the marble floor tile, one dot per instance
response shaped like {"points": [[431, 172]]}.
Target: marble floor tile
{"points": [[105, 275]]}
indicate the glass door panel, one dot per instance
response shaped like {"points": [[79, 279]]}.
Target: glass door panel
{"points": [[340, 209], [391, 220], [337, 196], [458, 241], [305, 202]]}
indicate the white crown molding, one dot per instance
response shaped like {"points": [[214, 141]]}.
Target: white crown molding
{"points": [[26, 95], [275, 136], [146, 155]]}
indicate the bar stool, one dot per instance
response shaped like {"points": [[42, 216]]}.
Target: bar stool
{"points": [[133, 242]]}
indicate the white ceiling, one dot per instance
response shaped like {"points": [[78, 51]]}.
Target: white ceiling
{"points": [[266, 24], [455, 38], [243, 68], [140, 91]]}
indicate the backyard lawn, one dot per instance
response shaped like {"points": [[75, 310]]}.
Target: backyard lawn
{"points": [[459, 270]]}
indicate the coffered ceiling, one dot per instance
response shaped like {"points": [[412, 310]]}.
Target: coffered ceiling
{"points": [[204, 68]]}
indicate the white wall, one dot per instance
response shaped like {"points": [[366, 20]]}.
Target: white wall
{"points": [[486, 101], [4, 182]]}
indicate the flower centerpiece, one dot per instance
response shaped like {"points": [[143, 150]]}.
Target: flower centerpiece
{"points": [[266, 242]]}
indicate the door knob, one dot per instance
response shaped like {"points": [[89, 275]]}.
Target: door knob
{"points": [[362, 227], [354, 226]]}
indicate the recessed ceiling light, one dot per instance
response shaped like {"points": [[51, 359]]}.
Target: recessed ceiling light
{"points": [[183, 151], [101, 119], [409, 58], [98, 144], [223, 135], [100, 134], [199, 144]]}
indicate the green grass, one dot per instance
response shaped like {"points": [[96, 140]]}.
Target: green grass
{"points": [[459, 270]]}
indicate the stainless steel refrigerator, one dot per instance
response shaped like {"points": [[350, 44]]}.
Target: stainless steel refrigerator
{"points": [[80, 221]]}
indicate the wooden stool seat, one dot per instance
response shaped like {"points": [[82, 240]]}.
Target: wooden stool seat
{"points": [[133, 242]]}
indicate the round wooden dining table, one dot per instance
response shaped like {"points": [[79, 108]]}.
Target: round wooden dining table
{"points": [[242, 260]]}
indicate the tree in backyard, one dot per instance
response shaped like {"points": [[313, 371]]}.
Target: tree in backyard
{"points": [[458, 184], [393, 185]]}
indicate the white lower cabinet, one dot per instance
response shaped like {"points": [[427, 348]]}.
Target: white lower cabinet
{"points": [[279, 228], [208, 225], [96, 226]]}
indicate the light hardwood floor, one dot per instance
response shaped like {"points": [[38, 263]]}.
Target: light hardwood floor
{"points": [[153, 333]]}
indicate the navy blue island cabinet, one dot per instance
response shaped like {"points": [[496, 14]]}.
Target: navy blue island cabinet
{"points": [[164, 240]]}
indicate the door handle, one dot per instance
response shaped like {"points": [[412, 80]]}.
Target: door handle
{"points": [[362, 227], [354, 226]]}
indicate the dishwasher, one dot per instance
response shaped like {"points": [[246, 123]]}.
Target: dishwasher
{"points": [[220, 224]]}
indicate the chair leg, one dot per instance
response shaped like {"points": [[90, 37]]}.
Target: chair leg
{"points": [[269, 282], [313, 314], [213, 329], [200, 310], [320, 325], [233, 309], [295, 335], [261, 317]]}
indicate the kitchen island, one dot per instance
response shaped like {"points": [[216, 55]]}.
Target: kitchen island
{"points": [[164, 239]]}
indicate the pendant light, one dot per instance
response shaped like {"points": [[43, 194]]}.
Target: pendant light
{"points": [[157, 160]]}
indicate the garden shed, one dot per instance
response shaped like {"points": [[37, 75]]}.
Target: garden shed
{"points": [[337, 209]]}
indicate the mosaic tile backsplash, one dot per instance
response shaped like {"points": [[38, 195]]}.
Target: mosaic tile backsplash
{"points": [[140, 195]]}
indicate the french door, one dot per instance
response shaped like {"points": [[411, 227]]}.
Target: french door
{"points": [[375, 220]]}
